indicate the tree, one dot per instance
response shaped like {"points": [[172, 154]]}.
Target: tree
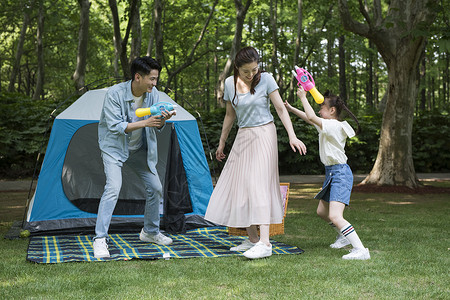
{"points": [[19, 51], [298, 41], [342, 68], [241, 12], [190, 58], [274, 29], [119, 43], [83, 37], [136, 32], [158, 35], [400, 39], [39, 90]]}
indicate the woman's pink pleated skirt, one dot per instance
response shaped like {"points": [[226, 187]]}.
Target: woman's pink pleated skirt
{"points": [[248, 190]]}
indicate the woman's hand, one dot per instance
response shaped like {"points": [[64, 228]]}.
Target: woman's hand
{"points": [[219, 152], [296, 144]]}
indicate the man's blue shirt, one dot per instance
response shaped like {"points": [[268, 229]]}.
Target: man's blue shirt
{"points": [[116, 114]]}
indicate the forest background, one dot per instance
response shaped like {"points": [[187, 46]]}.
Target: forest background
{"points": [[53, 51]]}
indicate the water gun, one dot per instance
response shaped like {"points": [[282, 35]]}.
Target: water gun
{"points": [[307, 82], [155, 109]]}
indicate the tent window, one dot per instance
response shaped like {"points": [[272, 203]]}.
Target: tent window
{"points": [[83, 178]]}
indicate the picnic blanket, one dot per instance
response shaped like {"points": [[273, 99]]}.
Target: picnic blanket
{"points": [[200, 242]]}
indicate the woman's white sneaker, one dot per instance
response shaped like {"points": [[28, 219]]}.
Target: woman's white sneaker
{"points": [[358, 253], [244, 246], [260, 250]]}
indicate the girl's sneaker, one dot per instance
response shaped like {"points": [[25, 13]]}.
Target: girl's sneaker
{"points": [[246, 244], [260, 250], [341, 242], [358, 253]]}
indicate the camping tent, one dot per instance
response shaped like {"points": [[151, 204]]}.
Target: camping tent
{"points": [[71, 179]]}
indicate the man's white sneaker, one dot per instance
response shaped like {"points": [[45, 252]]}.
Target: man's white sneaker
{"points": [[100, 248], [358, 253], [244, 246], [260, 250], [341, 242], [158, 238]]}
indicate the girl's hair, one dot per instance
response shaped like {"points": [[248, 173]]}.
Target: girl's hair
{"points": [[338, 103], [245, 56]]}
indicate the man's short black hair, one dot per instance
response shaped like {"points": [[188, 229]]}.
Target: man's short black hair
{"points": [[144, 65]]}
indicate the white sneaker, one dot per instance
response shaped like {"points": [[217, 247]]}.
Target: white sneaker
{"points": [[358, 253], [100, 248], [260, 250], [246, 244], [159, 238], [341, 242]]}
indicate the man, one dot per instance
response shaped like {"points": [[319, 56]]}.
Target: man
{"points": [[126, 139]]}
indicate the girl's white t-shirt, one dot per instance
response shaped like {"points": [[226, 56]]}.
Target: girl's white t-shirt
{"points": [[332, 138]]}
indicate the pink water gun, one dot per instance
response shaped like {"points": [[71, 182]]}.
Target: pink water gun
{"points": [[307, 82]]}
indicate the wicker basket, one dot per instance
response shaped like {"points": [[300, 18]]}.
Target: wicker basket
{"points": [[274, 229]]}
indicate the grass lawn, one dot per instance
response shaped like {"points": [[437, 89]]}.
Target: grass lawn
{"points": [[407, 235]]}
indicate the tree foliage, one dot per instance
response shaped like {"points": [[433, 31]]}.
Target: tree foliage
{"points": [[175, 31]]}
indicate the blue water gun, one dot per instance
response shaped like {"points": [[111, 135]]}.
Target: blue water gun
{"points": [[155, 109]]}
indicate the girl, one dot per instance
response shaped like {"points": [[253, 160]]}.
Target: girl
{"points": [[335, 193], [247, 194]]}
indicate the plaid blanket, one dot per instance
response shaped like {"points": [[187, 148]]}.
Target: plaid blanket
{"points": [[200, 242]]}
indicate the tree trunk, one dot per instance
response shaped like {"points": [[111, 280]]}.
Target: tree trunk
{"points": [[83, 38], [120, 45], [298, 41], [216, 64], [342, 68], [330, 56], [151, 37], [117, 37], [394, 164], [369, 89], [273, 24], [19, 50], [136, 30], [401, 51], [241, 12], [423, 78], [158, 35], [39, 89]]}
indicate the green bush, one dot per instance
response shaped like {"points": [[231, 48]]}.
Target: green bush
{"points": [[21, 133], [24, 123], [430, 139], [431, 143]]}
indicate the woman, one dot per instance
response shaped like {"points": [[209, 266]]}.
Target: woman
{"points": [[247, 194]]}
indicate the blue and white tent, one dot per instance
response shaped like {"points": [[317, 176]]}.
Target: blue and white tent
{"points": [[72, 179]]}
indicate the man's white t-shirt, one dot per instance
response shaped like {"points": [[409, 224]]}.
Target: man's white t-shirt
{"points": [[136, 135]]}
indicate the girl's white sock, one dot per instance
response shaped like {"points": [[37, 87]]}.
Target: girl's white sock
{"points": [[349, 232]]}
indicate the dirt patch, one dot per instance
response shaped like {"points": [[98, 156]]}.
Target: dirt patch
{"points": [[425, 189]]}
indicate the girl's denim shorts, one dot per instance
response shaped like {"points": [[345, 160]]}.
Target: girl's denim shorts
{"points": [[337, 185]]}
